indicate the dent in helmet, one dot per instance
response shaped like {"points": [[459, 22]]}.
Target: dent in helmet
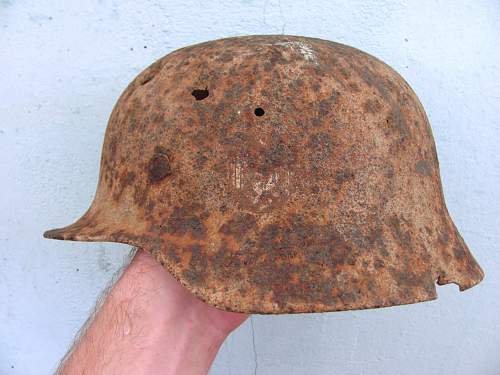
{"points": [[159, 165]]}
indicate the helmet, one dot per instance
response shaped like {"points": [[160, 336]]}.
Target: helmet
{"points": [[278, 174]]}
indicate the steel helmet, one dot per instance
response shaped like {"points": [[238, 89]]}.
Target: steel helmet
{"points": [[278, 174]]}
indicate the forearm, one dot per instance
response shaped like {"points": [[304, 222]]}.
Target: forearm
{"points": [[146, 326]]}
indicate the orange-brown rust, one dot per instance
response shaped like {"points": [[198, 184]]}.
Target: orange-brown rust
{"points": [[326, 198]]}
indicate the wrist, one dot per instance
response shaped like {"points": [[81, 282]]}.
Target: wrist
{"points": [[179, 321], [148, 324], [160, 322], [167, 302]]}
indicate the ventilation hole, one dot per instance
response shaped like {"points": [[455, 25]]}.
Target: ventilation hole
{"points": [[200, 94], [259, 112]]}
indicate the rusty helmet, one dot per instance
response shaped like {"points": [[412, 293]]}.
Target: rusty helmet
{"points": [[278, 174]]}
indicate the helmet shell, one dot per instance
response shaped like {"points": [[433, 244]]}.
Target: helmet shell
{"points": [[278, 174]]}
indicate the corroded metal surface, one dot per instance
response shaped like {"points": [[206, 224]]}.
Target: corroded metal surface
{"points": [[276, 174]]}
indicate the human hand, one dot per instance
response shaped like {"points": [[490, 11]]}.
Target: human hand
{"points": [[223, 321], [150, 324]]}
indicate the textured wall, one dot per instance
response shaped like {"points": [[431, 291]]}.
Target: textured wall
{"points": [[63, 65]]}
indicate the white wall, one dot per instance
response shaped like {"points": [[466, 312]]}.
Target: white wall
{"points": [[63, 65]]}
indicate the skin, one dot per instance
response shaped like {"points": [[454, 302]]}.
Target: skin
{"points": [[150, 324]]}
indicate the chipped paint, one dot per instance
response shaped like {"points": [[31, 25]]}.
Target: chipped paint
{"points": [[238, 174], [260, 187], [305, 49]]}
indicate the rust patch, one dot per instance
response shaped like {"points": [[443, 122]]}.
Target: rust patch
{"points": [[182, 221], [423, 167], [371, 106], [239, 225]]}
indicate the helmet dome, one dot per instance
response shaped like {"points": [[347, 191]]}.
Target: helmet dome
{"points": [[278, 174]]}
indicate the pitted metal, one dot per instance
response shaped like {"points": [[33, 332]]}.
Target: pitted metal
{"points": [[328, 197]]}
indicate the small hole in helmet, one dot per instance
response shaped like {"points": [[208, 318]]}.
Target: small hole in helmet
{"points": [[259, 112], [200, 94]]}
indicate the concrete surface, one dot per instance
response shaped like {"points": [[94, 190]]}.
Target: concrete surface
{"points": [[63, 65]]}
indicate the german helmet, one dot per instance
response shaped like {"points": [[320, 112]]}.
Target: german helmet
{"points": [[278, 174]]}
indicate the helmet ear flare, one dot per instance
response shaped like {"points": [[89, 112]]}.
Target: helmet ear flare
{"points": [[70, 233], [87, 228], [65, 234]]}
